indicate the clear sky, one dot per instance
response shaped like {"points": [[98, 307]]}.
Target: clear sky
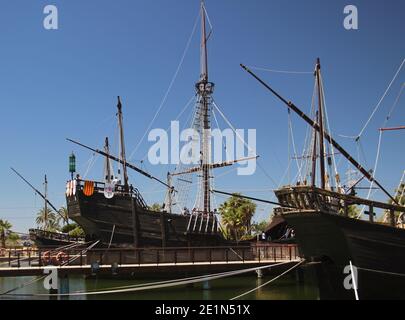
{"points": [[63, 83]]}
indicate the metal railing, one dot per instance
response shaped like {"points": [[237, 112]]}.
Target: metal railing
{"points": [[256, 252]]}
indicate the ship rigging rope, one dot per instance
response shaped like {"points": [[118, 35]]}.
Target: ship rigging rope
{"points": [[338, 185], [379, 102], [284, 174], [162, 103], [91, 164], [23, 285], [387, 118], [383, 272], [268, 282], [159, 284], [377, 157], [293, 145], [82, 252], [177, 118], [394, 104], [243, 141]]}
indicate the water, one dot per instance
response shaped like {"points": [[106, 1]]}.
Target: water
{"points": [[285, 288]]}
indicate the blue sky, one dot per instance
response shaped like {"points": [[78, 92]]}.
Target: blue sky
{"points": [[63, 83]]}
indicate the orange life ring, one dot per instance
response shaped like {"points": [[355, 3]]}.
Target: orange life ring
{"points": [[46, 257], [61, 257]]}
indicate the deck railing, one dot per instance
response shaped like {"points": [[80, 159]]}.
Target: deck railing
{"points": [[54, 235], [99, 187], [308, 198]]}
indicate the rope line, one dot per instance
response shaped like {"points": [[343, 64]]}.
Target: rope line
{"points": [[169, 88], [162, 284], [377, 157], [383, 272], [268, 282], [243, 141], [382, 98]]}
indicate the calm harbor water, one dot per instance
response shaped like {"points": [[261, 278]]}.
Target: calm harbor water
{"points": [[285, 288]]}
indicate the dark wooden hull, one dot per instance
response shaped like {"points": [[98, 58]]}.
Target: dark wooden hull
{"points": [[45, 239], [114, 221], [376, 250], [44, 242]]}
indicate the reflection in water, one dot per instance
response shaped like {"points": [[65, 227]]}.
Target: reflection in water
{"points": [[285, 288]]}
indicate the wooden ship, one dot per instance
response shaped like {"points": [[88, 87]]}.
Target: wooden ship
{"points": [[115, 212], [328, 236]]}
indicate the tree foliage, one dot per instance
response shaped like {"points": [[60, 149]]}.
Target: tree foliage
{"points": [[63, 216], [77, 232], [155, 207], [399, 198], [47, 220], [12, 238], [236, 217], [5, 228], [259, 227]]}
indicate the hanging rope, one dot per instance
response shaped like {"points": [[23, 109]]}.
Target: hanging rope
{"points": [[387, 118], [162, 284], [243, 141], [377, 157], [379, 102], [268, 282], [395, 103], [293, 145], [169, 88], [91, 164]]}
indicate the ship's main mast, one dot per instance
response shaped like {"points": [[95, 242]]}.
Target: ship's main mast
{"points": [[204, 90]]}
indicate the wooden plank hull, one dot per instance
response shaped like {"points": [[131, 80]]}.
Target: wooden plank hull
{"points": [[114, 221], [376, 250]]}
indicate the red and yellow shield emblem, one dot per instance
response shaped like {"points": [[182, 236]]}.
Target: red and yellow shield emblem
{"points": [[88, 188]]}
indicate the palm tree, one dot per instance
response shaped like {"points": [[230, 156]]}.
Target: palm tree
{"points": [[5, 227], [236, 215], [63, 212], [47, 220], [400, 199]]}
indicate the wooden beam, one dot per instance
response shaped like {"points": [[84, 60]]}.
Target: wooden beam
{"points": [[392, 128], [163, 229], [345, 197], [135, 223]]}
